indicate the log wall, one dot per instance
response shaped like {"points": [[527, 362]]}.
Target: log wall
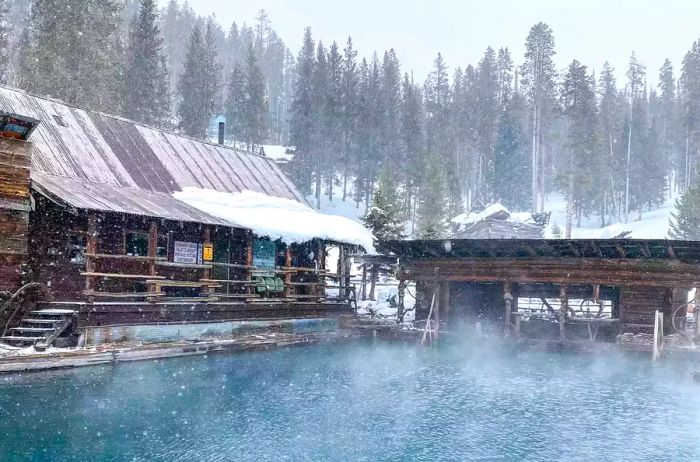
{"points": [[15, 159]]}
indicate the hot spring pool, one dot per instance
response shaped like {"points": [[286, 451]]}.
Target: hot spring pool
{"points": [[360, 402]]}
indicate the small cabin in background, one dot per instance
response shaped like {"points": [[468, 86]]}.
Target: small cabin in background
{"points": [[91, 207], [496, 222]]}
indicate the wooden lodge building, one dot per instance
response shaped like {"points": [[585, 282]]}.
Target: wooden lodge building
{"points": [[551, 289], [89, 221]]}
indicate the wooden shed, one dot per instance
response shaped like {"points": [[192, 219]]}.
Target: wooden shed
{"points": [[552, 288]]}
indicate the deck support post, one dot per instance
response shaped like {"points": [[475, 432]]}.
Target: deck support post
{"points": [[90, 249], [287, 275], [249, 262], [207, 273], [152, 248], [364, 282], [508, 297], [401, 295], [564, 300], [373, 273]]}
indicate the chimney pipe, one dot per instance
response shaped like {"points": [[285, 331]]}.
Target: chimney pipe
{"points": [[222, 130]]}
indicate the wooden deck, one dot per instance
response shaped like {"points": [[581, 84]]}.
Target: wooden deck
{"points": [[130, 313]]}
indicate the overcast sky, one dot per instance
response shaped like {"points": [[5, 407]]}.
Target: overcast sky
{"points": [[588, 30]]}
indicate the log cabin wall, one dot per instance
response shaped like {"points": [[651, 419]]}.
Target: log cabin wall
{"points": [[15, 204], [638, 305]]}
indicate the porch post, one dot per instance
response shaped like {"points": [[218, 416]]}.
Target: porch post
{"points": [[152, 248], [508, 297], [249, 262], [90, 249], [287, 274]]}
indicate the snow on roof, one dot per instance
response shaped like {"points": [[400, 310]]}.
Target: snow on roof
{"points": [[471, 218], [276, 217]]}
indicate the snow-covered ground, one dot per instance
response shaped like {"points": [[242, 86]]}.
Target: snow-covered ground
{"points": [[653, 225]]}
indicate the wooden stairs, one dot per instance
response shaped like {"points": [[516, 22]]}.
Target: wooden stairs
{"points": [[40, 329]]}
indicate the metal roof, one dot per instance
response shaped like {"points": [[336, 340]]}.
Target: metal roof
{"points": [[81, 194], [685, 251], [94, 148]]}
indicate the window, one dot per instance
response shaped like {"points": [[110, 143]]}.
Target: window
{"points": [[77, 245], [136, 244]]}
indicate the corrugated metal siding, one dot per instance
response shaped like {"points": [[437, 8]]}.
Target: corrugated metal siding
{"points": [[97, 148]]}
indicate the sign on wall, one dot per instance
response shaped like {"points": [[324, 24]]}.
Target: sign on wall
{"points": [[208, 252], [264, 253], [186, 252]]}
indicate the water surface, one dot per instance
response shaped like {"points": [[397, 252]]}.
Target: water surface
{"points": [[360, 402]]}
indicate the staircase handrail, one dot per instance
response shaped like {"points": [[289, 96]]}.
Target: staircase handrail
{"points": [[17, 296]]}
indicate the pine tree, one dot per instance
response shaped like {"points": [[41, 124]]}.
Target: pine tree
{"points": [[319, 82], [389, 102], [236, 103], [302, 117], [636, 76], [333, 117], [488, 109], [70, 50], [578, 105], [146, 95], [538, 75], [668, 119], [198, 84], [385, 216], [511, 166], [411, 133], [432, 213], [690, 113], [611, 109], [256, 104], [504, 76], [685, 221], [349, 110]]}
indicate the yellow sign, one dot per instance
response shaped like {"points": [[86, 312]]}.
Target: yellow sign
{"points": [[208, 252]]}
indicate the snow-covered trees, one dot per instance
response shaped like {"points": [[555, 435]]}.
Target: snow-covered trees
{"points": [[487, 125], [146, 88]]}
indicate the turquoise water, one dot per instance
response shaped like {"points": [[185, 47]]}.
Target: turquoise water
{"points": [[360, 402]]}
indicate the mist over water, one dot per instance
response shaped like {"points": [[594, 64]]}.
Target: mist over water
{"points": [[364, 402]]}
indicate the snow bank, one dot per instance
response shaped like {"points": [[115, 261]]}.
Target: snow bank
{"points": [[277, 153], [277, 218]]}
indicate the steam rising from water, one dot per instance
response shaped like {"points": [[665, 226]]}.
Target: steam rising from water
{"points": [[358, 402]]}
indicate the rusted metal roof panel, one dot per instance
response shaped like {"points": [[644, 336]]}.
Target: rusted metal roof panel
{"points": [[93, 147], [86, 195]]}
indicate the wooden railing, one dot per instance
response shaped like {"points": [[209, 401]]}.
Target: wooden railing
{"points": [[250, 287]]}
